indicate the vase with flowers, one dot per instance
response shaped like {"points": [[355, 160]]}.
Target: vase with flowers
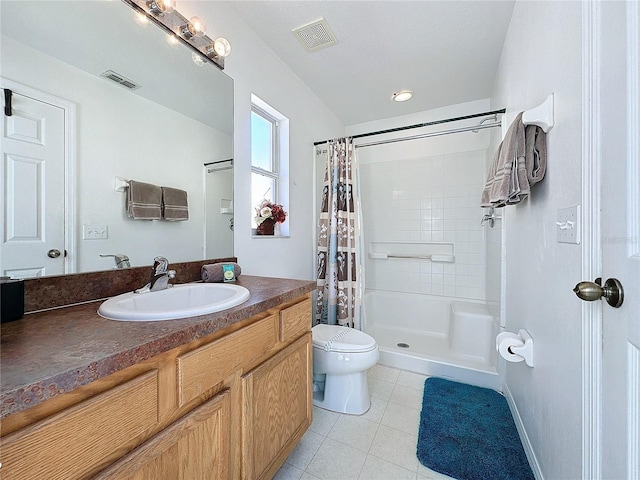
{"points": [[267, 215]]}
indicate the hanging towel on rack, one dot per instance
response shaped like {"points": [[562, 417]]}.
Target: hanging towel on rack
{"points": [[536, 153], [174, 204], [505, 178], [520, 162], [144, 201]]}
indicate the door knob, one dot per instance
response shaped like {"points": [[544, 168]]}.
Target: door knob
{"points": [[53, 253], [591, 291]]}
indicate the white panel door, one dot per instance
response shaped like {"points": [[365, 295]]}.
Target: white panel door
{"points": [[620, 238], [33, 193]]}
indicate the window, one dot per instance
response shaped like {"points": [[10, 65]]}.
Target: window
{"points": [[269, 158]]}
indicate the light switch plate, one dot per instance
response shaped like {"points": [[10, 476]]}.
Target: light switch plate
{"points": [[95, 232], [568, 225]]}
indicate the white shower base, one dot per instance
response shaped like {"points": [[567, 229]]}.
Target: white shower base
{"points": [[432, 335]]}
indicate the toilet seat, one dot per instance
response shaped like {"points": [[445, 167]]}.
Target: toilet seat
{"points": [[336, 338]]}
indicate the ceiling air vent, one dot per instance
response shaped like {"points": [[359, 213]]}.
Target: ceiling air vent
{"points": [[120, 79], [315, 35]]}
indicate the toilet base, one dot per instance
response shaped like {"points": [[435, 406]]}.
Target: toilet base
{"points": [[344, 394]]}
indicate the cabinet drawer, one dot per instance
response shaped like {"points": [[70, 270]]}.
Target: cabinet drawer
{"points": [[295, 320], [73, 442], [201, 369]]}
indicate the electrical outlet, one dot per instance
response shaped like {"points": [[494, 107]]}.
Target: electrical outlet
{"points": [[95, 232], [568, 225]]}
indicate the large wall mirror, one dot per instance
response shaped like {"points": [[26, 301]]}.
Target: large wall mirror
{"points": [[73, 132]]}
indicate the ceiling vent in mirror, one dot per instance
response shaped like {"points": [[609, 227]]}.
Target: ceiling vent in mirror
{"points": [[315, 35], [120, 79]]}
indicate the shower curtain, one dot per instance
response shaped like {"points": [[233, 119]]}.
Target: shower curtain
{"points": [[340, 271]]}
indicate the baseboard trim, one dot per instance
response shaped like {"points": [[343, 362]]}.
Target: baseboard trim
{"points": [[528, 449]]}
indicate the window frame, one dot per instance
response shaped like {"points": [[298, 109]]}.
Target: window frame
{"points": [[279, 176], [274, 173]]}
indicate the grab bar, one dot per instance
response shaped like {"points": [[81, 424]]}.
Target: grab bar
{"points": [[433, 258]]}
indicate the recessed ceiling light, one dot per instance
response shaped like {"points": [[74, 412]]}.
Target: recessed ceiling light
{"points": [[402, 96]]}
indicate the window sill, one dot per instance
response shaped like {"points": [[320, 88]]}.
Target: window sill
{"points": [[253, 235]]}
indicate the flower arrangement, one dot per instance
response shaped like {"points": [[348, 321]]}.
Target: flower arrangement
{"points": [[267, 210]]}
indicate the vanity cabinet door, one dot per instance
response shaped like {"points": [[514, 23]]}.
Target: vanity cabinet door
{"points": [[194, 447], [277, 408], [82, 439]]}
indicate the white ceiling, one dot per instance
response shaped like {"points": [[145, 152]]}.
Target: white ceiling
{"points": [[447, 52]]}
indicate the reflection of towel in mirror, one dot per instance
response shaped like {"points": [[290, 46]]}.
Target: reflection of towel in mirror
{"points": [[174, 204], [144, 201]]}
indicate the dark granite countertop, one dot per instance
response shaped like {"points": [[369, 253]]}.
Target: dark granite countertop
{"points": [[53, 352]]}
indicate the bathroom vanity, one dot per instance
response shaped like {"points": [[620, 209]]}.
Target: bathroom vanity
{"points": [[224, 395]]}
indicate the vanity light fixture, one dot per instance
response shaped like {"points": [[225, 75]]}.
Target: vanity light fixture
{"points": [[402, 96], [221, 47], [195, 28], [160, 7], [180, 30]]}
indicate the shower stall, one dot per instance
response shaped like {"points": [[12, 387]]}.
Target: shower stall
{"points": [[433, 273]]}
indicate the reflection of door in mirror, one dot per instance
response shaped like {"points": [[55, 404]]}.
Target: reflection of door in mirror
{"points": [[219, 208], [33, 152]]}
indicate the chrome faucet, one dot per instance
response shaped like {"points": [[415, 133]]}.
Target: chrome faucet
{"points": [[159, 276]]}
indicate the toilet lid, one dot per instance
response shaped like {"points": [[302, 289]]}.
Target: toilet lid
{"points": [[335, 338]]}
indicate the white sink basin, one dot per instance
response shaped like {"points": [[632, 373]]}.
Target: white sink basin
{"points": [[179, 301]]}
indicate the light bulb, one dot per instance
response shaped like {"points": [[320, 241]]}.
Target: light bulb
{"points": [[195, 28], [160, 7], [222, 47]]}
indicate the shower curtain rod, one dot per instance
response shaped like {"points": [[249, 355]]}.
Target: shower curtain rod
{"points": [[420, 125], [470, 128]]}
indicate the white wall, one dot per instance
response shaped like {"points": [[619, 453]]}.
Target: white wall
{"points": [[542, 55], [256, 69], [429, 202], [120, 134], [426, 192]]}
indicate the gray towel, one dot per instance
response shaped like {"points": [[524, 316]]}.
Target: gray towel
{"points": [[213, 272], [506, 180], [520, 162], [536, 153], [174, 204], [144, 201]]}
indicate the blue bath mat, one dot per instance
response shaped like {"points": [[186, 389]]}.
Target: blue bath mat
{"points": [[468, 433]]}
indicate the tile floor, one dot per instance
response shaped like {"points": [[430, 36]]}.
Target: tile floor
{"points": [[381, 444]]}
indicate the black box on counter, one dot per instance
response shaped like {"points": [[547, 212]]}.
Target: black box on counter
{"points": [[11, 299]]}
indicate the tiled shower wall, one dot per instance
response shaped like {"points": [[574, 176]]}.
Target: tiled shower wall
{"points": [[423, 200]]}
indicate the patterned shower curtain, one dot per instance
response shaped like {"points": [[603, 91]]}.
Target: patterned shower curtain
{"points": [[340, 271]]}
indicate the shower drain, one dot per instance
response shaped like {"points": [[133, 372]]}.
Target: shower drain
{"points": [[403, 345]]}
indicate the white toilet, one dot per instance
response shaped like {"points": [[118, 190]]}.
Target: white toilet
{"points": [[341, 358]]}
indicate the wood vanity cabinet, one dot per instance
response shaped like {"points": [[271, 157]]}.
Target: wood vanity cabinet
{"points": [[229, 406]]}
